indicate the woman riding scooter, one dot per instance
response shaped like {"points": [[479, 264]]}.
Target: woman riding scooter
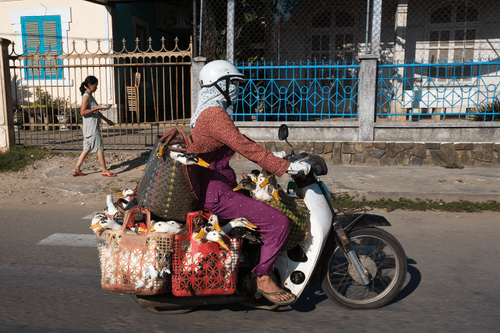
{"points": [[215, 138]]}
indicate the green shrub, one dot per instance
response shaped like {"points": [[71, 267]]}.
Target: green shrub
{"points": [[18, 157], [485, 112]]}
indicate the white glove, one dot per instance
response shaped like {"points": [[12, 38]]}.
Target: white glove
{"points": [[279, 154], [295, 167]]}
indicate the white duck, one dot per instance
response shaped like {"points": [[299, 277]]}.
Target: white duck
{"points": [[95, 225], [211, 236], [109, 223], [110, 209], [265, 190], [187, 159], [166, 226], [214, 236], [127, 194], [239, 222], [103, 223]]}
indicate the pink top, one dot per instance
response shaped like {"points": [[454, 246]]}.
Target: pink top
{"points": [[214, 129]]}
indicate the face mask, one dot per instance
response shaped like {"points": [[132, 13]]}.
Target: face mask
{"points": [[211, 96]]}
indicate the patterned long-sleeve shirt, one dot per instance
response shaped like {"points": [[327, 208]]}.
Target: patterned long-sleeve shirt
{"points": [[214, 129]]}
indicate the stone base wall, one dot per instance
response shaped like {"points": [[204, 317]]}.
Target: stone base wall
{"points": [[397, 153]]}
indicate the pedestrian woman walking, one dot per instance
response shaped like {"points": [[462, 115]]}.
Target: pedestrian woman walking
{"points": [[92, 140]]}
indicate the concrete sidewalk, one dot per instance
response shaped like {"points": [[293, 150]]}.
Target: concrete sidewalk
{"points": [[434, 183], [362, 182]]}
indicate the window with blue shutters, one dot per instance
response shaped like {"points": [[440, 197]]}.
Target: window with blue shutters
{"points": [[42, 36]]}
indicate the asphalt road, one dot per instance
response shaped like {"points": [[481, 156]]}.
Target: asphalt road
{"points": [[452, 285]]}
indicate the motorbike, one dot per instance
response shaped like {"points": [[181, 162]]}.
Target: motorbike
{"points": [[359, 265]]}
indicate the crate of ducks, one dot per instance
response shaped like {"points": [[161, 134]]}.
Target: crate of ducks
{"points": [[134, 251], [205, 260]]}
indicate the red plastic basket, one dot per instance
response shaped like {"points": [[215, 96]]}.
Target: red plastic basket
{"points": [[135, 263], [204, 268]]}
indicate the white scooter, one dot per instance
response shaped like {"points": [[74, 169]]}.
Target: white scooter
{"points": [[359, 265]]}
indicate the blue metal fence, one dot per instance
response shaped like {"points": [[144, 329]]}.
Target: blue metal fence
{"points": [[310, 91], [438, 92]]}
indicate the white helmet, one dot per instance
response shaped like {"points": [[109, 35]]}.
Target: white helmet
{"points": [[218, 70]]}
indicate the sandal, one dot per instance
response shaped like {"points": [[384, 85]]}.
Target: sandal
{"points": [[78, 174], [268, 295], [110, 174]]}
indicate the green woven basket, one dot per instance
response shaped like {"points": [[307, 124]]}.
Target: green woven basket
{"points": [[163, 189], [298, 214]]}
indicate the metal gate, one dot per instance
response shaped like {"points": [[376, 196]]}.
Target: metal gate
{"points": [[147, 92]]}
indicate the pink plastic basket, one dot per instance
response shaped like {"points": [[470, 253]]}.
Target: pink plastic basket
{"points": [[135, 263]]}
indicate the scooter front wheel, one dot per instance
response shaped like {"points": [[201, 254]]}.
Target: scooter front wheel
{"points": [[385, 259]]}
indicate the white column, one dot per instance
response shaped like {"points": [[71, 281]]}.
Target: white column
{"points": [[230, 32], [376, 26], [401, 24], [6, 103]]}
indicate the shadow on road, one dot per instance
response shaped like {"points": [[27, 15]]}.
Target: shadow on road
{"points": [[132, 164], [411, 285]]}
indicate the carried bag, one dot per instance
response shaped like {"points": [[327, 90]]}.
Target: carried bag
{"points": [[164, 189], [135, 263]]}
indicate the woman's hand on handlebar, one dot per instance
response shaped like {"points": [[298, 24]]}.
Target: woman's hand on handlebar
{"points": [[297, 168], [280, 154]]}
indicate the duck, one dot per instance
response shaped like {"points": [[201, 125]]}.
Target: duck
{"points": [[239, 222], [266, 189], [241, 228], [103, 222], [149, 275], [239, 232], [165, 226], [248, 182], [127, 194], [109, 223], [211, 235], [110, 209], [187, 159], [253, 175], [214, 236], [95, 225], [213, 220]]}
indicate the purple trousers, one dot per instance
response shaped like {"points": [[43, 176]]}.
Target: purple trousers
{"points": [[216, 189], [272, 224]]}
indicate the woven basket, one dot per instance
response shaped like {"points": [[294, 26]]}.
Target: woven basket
{"points": [[164, 189], [135, 264], [298, 215]]}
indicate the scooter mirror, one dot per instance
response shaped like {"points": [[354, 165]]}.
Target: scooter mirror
{"points": [[283, 132]]}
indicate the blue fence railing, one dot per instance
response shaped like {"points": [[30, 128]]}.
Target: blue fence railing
{"points": [[297, 92], [453, 91]]}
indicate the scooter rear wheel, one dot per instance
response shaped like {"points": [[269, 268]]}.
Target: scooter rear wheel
{"points": [[382, 256]]}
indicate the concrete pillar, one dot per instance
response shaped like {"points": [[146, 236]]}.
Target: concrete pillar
{"points": [[399, 57], [401, 24], [376, 26], [367, 96], [6, 102], [196, 66], [230, 31]]}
